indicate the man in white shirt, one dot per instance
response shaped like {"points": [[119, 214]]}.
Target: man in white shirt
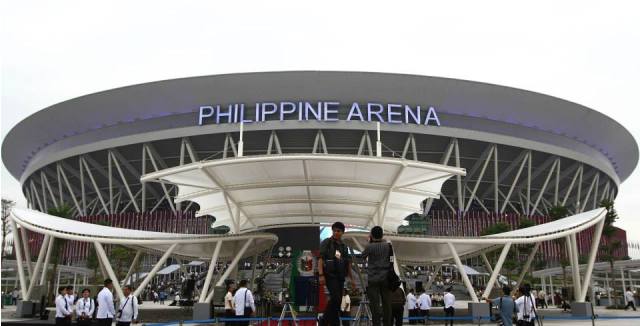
{"points": [[412, 303], [449, 304], [106, 310], [525, 304], [71, 299], [245, 306], [424, 303], [229, 305], [628, 297], [345, 307], [63, 311], [84, 308], [128, 310]]}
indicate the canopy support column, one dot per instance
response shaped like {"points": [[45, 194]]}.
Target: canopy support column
{"points": [[24, 240], [465, 277], [624, 286], [494, 274], [17, 246], [431, 279], [212, 266], [43, 276], [575, 266], [230, 268], [254, 262], [154, 270], [133, 264], [102, 256], [595, 243], [36, 270], [527, 264], [553, 292], [487, 265]]}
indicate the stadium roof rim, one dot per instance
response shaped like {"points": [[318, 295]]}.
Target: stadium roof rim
{"points": [[463, 97]]}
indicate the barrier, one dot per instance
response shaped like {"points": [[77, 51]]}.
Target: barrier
{"points": [[434, 318]]}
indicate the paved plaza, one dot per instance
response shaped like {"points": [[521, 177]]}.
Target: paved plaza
{"points": [[553, 316]]}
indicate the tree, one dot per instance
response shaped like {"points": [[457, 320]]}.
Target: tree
{"points": [[497, 228], [122, 258], [63, 211], [608, 232], [7, 204]]}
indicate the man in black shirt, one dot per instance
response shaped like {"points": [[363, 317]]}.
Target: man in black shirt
{"points": [[334, 265]]}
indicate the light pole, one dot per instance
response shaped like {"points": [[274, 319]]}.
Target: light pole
{"points": [[284, 251]]}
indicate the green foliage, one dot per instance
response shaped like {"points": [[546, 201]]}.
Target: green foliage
{"points": [[558, 212], [526, 223], [497, 228], [612, 215], [121, 258]]}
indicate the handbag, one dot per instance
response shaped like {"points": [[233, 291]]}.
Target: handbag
{"points": [[392, 278], [247, 310]]}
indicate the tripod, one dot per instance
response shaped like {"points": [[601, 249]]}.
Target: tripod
{"points": [[283, 314], [363, 309]]}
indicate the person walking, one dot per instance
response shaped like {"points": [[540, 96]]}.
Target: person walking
{"points": [[378, 255], [424, 304], [229, 305], [63, 311], [542, 297], [628, 297], [244, 303], [14, 296], [397, 306], [449, 306], [412, 305], [128, 309], [84, 308], [345, 308], [106, 310], [505, 306], [334, 265]]}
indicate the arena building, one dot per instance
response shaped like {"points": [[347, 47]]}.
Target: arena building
{"points": [[523, 152]]}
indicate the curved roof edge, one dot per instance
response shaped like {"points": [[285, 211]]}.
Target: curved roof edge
{"points": [[453, 96]]}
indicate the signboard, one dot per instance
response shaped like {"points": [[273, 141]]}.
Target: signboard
{"points": [[318, 111]]}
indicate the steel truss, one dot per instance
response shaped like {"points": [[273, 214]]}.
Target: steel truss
{"points": [[500, 179]]}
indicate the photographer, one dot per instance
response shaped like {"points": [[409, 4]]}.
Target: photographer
{"points": [[525, 304], [377, 253]]}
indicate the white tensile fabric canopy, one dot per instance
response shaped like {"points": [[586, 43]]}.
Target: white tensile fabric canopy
{"points": [[426, 249], [189, 246], [250, 193]]}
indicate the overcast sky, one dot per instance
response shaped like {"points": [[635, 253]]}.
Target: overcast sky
{"points": [[581, 52]]}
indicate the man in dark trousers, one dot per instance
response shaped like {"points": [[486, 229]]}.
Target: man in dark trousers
{"points": [[397, 306], [377, 254], [334, 264]]}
